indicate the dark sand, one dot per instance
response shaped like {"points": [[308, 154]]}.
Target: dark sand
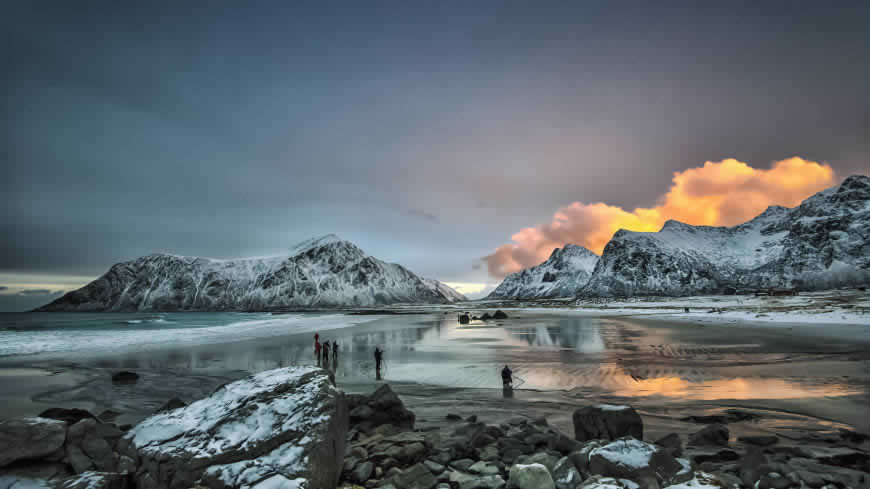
{"points": [[796, 383]]}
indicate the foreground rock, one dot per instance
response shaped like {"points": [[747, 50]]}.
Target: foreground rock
{"points": [[532, 476], [607, 422], [90, 446], [96, 480], [29, 438], [279, 428], [713, 435], [125, 377], [69, 416], [648, 465], [383, 407]]}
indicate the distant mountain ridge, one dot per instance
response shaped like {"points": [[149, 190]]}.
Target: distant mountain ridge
{"points": [[822, 242], [322, 272], [562, 275]]}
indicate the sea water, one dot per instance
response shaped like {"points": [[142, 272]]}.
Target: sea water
{"points": [[70, 335]]}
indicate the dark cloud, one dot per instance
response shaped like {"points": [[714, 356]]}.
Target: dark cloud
{"points": [[426, 132]]}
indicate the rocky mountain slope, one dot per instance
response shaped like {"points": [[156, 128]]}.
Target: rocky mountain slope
{"points": [[562, 275], [322, 272], [822, 242]]}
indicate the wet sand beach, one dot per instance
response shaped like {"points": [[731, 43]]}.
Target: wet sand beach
{"points": [[793, 383]]}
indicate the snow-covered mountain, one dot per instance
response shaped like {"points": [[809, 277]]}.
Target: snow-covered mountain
{"points": [[322, 272], [824, 240], [450, 293], [562, 275]]}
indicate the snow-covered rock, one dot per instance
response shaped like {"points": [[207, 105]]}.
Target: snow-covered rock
{"points": [[701, 480], [279, 428], [814, 245], [562, 275], [635, 460], [323, 272], [94, 480]]}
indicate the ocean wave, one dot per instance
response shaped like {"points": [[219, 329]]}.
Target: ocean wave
{"points": [[138, 336]]}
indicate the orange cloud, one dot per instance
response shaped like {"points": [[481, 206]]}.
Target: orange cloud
{"points": [[717, 194]]}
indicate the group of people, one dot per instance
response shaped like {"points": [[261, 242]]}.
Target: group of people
{"points": [[321, 351], [321, 354]]}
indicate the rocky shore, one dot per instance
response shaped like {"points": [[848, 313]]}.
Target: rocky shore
{"points": [[292, 428]]}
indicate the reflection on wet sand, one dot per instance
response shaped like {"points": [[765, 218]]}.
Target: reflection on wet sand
{"points": [[592, 355], [615, 381]]}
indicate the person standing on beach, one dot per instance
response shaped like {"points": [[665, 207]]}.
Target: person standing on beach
{"points": [[317, 349], [326, 354], [335, 355], [507, 377], [379, 357]]}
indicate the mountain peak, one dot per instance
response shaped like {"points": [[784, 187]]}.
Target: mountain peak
{"points": [[855, 183], [674, 225], [326, 239], [561, 275]]}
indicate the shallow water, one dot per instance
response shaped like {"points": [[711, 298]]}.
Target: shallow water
{"points": [[581, 357]]}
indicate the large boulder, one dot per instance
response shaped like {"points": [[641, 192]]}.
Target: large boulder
{"points": [[279, 428], [90, 446], [606, 422], [382, 407], [649, 465], [28, 438]]}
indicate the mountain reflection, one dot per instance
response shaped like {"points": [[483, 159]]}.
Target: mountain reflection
{"points": [[587, 355]]}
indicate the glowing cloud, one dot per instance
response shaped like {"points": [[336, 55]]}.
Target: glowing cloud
{"points": [[717, 194]]}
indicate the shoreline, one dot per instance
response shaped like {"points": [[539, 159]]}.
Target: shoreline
{"points": [[438, 363]]}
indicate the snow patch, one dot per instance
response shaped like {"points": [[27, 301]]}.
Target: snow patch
{"points": [[612, 407], [702, 480], [627, 452]]}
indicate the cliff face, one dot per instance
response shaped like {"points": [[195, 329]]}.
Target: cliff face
{"points": [[324, 272]]}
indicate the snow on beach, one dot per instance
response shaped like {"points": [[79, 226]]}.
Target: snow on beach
{"points": [[846, 307]]}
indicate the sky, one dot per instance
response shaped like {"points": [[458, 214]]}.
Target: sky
{"points": [[431, 134]]}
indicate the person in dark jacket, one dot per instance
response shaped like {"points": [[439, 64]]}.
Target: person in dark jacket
{"points": [[379, 358], [507, 377], [317, 349], [326, 354]]}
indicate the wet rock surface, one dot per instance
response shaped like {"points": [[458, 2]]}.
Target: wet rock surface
{"points": [[606, 422]]}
